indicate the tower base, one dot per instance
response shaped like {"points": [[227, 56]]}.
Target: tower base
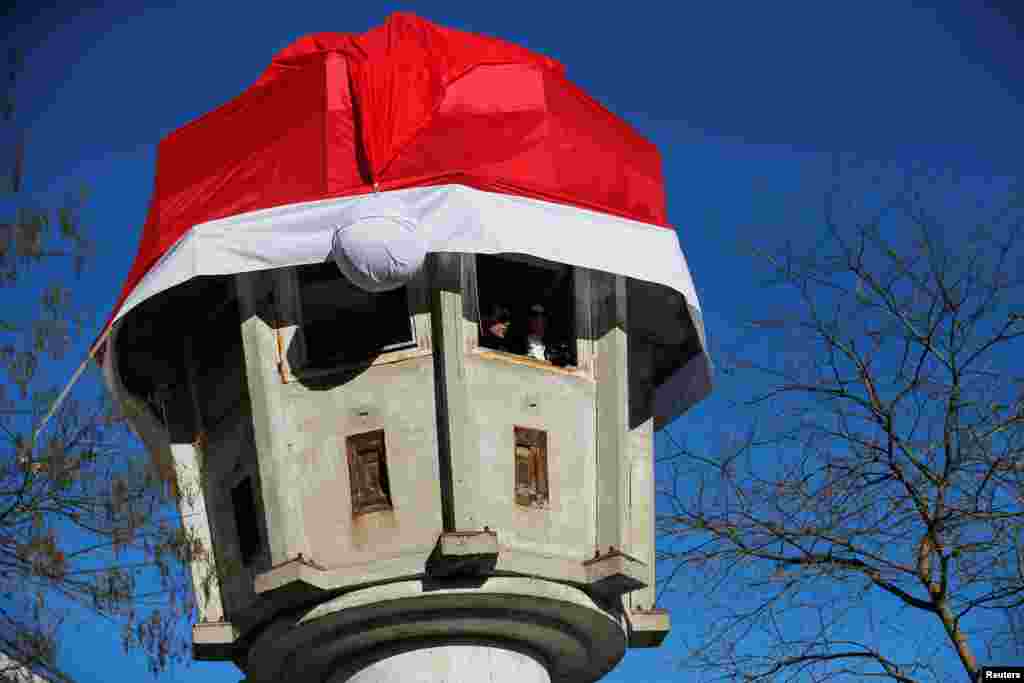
{"points": [[502, 629]]}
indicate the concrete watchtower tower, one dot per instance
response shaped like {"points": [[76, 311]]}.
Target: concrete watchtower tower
{"points": [[407, 342]]}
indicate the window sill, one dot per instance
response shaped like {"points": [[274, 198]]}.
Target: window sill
{"points": [[516, 359], [370, 509]]}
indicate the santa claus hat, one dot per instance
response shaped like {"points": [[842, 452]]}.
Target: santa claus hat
{"points": [[376, 149]]}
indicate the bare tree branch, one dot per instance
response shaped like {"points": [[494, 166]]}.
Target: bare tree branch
{"points": [[886, 465]]}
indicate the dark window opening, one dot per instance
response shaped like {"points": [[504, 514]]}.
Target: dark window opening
{"points": [[219, 359], [243, 501], [531, 454], [343, 324], [150, 345], [368, 472], [527, 308]]}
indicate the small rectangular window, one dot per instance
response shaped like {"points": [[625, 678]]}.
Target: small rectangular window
{"points": [[531, 453], [243, 501], [368, 472], [343, 324], [527, 307]]}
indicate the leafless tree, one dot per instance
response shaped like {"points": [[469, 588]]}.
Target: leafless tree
{"points": [[86, 520], [867, 522]]}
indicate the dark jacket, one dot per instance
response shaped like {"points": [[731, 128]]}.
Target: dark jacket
{"points": [[490, 341]]}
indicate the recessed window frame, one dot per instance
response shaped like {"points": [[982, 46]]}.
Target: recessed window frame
{"points": [[532, 483], [360, 449], [224, 477], [581, 306], [290, 329], [248, 532]]}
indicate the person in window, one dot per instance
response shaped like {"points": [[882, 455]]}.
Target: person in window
{"points": [[539, 343], [495, 329], [536, 327]]}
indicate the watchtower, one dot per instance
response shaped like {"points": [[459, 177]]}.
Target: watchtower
{"points": [[386, 491]]}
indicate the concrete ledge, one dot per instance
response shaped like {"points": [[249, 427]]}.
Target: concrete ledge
{"points": [[531, 563], [469, 543], [464, 553], [297, 576], [213, 640], [648, 628], [615, 573]]}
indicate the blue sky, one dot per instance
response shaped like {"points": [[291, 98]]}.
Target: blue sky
{"points": [[746, 101]]}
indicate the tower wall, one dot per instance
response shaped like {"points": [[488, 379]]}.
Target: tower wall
{"points": [[455, 540]]}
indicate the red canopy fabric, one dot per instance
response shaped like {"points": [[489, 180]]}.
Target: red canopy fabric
{"points": [[406, 104]]}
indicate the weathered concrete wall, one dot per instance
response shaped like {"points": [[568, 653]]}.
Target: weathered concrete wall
{"points": [[501, 396], [612, 374], [398, 398], [641, 463], [448, 410], [457, 460], [488, 395], [642, 509], [301, 426], [229, 456]]}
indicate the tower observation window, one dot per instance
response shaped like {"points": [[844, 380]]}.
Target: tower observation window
{"points": [[343, 324], [527, 307]]}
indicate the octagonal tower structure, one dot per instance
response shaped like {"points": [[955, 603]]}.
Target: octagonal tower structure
{"points": [[410, 392]]}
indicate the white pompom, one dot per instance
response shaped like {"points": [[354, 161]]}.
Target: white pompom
{"points": [[379, 253]]}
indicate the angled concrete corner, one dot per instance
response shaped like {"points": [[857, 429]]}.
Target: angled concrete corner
{"points": [[648, 628], [615, 573], [464, 552], [213, 640], [469, 543], [296, 579]]}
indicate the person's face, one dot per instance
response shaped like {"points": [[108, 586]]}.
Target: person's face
{"points": [[536, 325], [499, 328]]}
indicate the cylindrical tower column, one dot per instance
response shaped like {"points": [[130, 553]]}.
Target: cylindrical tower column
{"points": [[459, 663]]}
